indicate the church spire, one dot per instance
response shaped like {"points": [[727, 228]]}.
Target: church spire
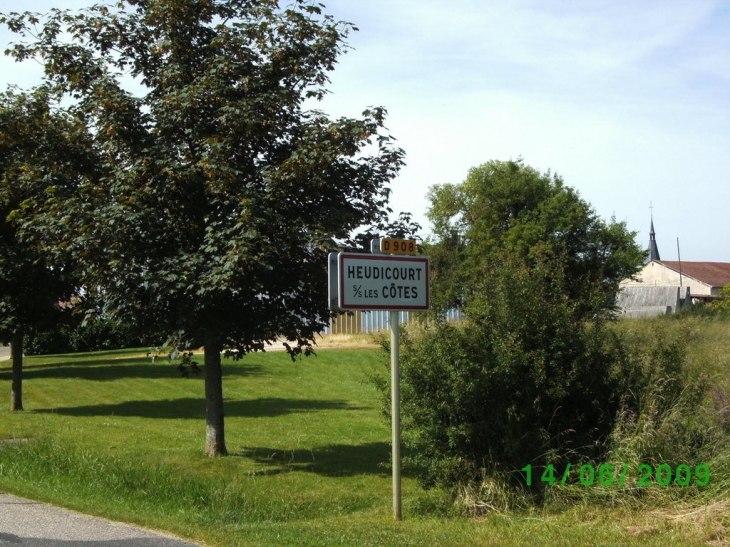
{"points": [[653, 249]]}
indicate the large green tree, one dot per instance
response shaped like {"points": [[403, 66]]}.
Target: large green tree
{"points": [[36, 147], [217, 193], [532, 375], [508, 210]]}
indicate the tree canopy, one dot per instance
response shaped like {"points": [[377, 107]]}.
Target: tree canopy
{"points": [[532, 375], [215, 193], [510, 211], [36, 146]]}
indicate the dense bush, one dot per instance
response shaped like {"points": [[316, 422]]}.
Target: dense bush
{"points": [[537, 373], [526, 380], [523, 381], [69, 338]]}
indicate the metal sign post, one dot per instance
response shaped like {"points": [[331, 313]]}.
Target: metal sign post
{"points": [[383, 282], [395, 411]]}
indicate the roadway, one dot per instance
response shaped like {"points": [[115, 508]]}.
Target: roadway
{"points": [[28, 523], [32, 524]]}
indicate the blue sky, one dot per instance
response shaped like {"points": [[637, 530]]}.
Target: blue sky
{"points": [[629, 101]]}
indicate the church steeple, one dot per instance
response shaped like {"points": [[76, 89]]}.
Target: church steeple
{"points": [[653, 249]]}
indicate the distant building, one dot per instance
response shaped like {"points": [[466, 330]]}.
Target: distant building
{"points": [[704, 279], [664, 286]]}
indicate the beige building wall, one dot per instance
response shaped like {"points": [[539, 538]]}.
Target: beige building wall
{"points": [[658, 275]]}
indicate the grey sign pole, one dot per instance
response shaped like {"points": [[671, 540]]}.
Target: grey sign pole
{"points": [[381, 281], [395, 410]]}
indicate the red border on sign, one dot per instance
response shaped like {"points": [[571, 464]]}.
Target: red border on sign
{"points": [[386, 258]]}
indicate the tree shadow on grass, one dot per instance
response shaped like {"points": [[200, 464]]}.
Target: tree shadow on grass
{"points": [[194, 408], [107, 370], [337, 460]]}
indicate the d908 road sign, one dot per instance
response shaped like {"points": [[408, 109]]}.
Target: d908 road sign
{"points": [[395, 246]]}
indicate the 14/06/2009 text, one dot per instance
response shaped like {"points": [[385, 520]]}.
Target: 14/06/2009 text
{"points": [[607, 474]]}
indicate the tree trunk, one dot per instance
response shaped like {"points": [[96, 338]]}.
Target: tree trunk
{"points": [[215, 443], [16, 352]]}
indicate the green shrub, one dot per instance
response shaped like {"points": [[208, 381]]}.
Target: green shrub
{"points": [[47, 342], [103, 334], [722, 305], [527, 380], [523, 381]]}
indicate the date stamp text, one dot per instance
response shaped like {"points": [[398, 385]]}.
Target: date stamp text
{"points": [[610, 475]]}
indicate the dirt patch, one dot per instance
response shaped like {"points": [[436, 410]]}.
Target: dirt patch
{"points": [[326, 341], [346, 341], [336, 341]]}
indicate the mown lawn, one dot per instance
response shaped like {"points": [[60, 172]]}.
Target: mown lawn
{"points": [[113, 434]]}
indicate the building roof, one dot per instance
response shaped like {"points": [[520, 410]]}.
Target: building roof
{"points": [[715, 274]]}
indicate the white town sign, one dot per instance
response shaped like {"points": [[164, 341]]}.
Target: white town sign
{"points": [[382, 282]]}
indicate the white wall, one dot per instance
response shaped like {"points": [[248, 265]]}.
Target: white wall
{"points": [[655, 274]]}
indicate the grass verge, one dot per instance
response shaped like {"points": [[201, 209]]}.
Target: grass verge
{"points": [[114, 435]]}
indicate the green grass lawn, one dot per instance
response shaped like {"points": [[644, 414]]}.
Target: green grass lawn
{"points": [[112, 434]]}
